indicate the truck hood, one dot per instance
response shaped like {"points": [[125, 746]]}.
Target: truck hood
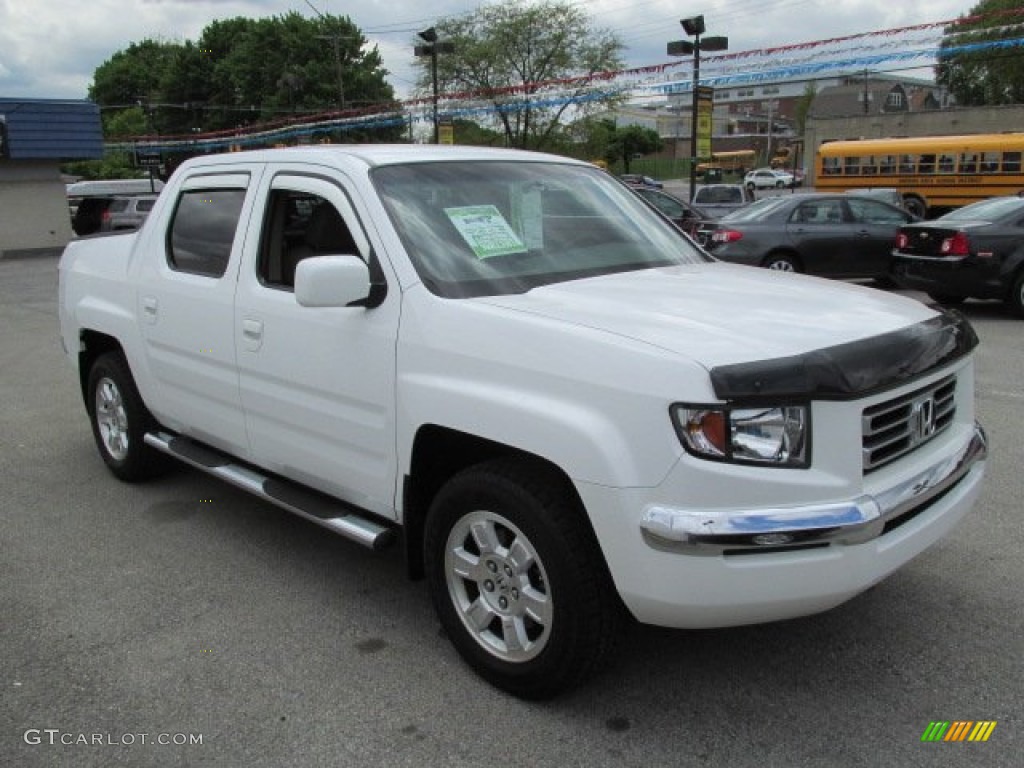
{"points": [[720, 314]]}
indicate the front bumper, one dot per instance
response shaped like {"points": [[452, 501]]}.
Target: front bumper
{"points": [[853, 522], [693, 568]]}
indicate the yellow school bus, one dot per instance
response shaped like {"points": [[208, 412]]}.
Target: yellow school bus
{"points": [[932, 173]]}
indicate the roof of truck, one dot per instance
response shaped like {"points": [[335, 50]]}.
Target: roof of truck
{"points": [[380, 154]]}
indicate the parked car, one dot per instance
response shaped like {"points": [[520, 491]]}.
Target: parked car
{"points": [[717, 200], [767, 178], [637, 180], [822, 234], [973, 252], [687, 217], [126, 212]]}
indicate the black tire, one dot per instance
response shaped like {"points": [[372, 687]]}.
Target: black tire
{"points": [[947, 299], [751, 188], [1015, 301], [120, 419], [781, 262], [780, 184], [509, 555], [915, 206]]}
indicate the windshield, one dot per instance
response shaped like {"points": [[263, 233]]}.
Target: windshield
{"points": [[986, 210], [481, 228]]}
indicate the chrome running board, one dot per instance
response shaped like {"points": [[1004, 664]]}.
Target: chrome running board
{"points": [[319, 508]]}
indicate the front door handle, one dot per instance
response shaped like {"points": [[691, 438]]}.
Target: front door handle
{"points": [[252, 333]]}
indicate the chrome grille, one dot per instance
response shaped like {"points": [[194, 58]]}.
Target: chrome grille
{"points": [[898, 426]]}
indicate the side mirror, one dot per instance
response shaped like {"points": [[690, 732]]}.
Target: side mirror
{"points": [[331, 281]]}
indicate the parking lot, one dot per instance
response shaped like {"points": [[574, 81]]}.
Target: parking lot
{"points": [[182, 622]]}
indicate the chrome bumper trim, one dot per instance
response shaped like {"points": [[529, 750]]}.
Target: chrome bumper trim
{"points": [[848, 522]]}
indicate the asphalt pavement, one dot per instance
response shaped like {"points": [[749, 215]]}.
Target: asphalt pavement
{"points": [[181, 622]]}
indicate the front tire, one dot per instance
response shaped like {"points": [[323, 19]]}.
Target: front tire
{"points": [[518, 580], [120, 419]]}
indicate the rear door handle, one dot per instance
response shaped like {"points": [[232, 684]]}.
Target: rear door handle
{"points": [[150, 305]]}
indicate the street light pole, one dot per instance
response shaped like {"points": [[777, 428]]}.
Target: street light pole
{"points": [[694, 26], [431, 49]]}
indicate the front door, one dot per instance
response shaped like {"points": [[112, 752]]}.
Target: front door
{"points": [[317, 384]]}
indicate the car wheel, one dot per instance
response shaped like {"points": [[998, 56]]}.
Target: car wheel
{"points": [[1016, 298], [518, 580], [780, 184], [947, 299], [751, 187], [120, 420], [915, 206], [781, 262]]}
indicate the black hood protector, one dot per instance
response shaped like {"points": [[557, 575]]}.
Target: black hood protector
{"points": [[850, 370]]}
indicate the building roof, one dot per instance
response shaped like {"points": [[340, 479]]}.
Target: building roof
{"points": [[51, 129]]}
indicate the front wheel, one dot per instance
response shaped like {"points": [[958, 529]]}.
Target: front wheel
{"points": [[915, 206], [518, 580], [120, 420]]}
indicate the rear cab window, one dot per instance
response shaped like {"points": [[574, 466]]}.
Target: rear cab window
{"points": [[204, 224]]}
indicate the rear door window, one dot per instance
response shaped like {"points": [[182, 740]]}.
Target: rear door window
{"points": [[203, 228]]}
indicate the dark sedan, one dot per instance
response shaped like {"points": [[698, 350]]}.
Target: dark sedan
{"points": [[820, 234], [973, 252], [687, 217]]}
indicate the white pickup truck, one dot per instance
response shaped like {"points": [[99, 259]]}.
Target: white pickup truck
{"points": [[567, 413]]}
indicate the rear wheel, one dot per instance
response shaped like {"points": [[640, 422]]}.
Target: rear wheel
{"points": [[120, 420], [781, 262], [518, 580]]}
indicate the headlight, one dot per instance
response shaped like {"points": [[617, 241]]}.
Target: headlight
{"points": [[766, 436]]}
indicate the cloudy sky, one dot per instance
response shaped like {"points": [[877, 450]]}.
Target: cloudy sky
{"points": [[51, 49]]}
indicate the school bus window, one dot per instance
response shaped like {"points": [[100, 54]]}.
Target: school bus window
{"points": [[868, 166], [908, 163], [968, 163], [926, 164], [851, 166], [887, 164], [830, 166], [1011, 162], [990, 162], [947, 163]]}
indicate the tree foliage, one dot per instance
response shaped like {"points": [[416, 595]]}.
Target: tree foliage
{"points": [[630, 140], [992, 75], [245, 70], [510, 56]]}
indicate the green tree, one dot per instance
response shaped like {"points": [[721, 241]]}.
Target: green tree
{"points": [[631, 140], [521, 60], [990, 76], [242, 71]]}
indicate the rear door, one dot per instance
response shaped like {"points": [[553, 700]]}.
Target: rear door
{"points": [[186, 305]]}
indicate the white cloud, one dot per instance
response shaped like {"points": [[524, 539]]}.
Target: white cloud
{"points": [[50, 50]]}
